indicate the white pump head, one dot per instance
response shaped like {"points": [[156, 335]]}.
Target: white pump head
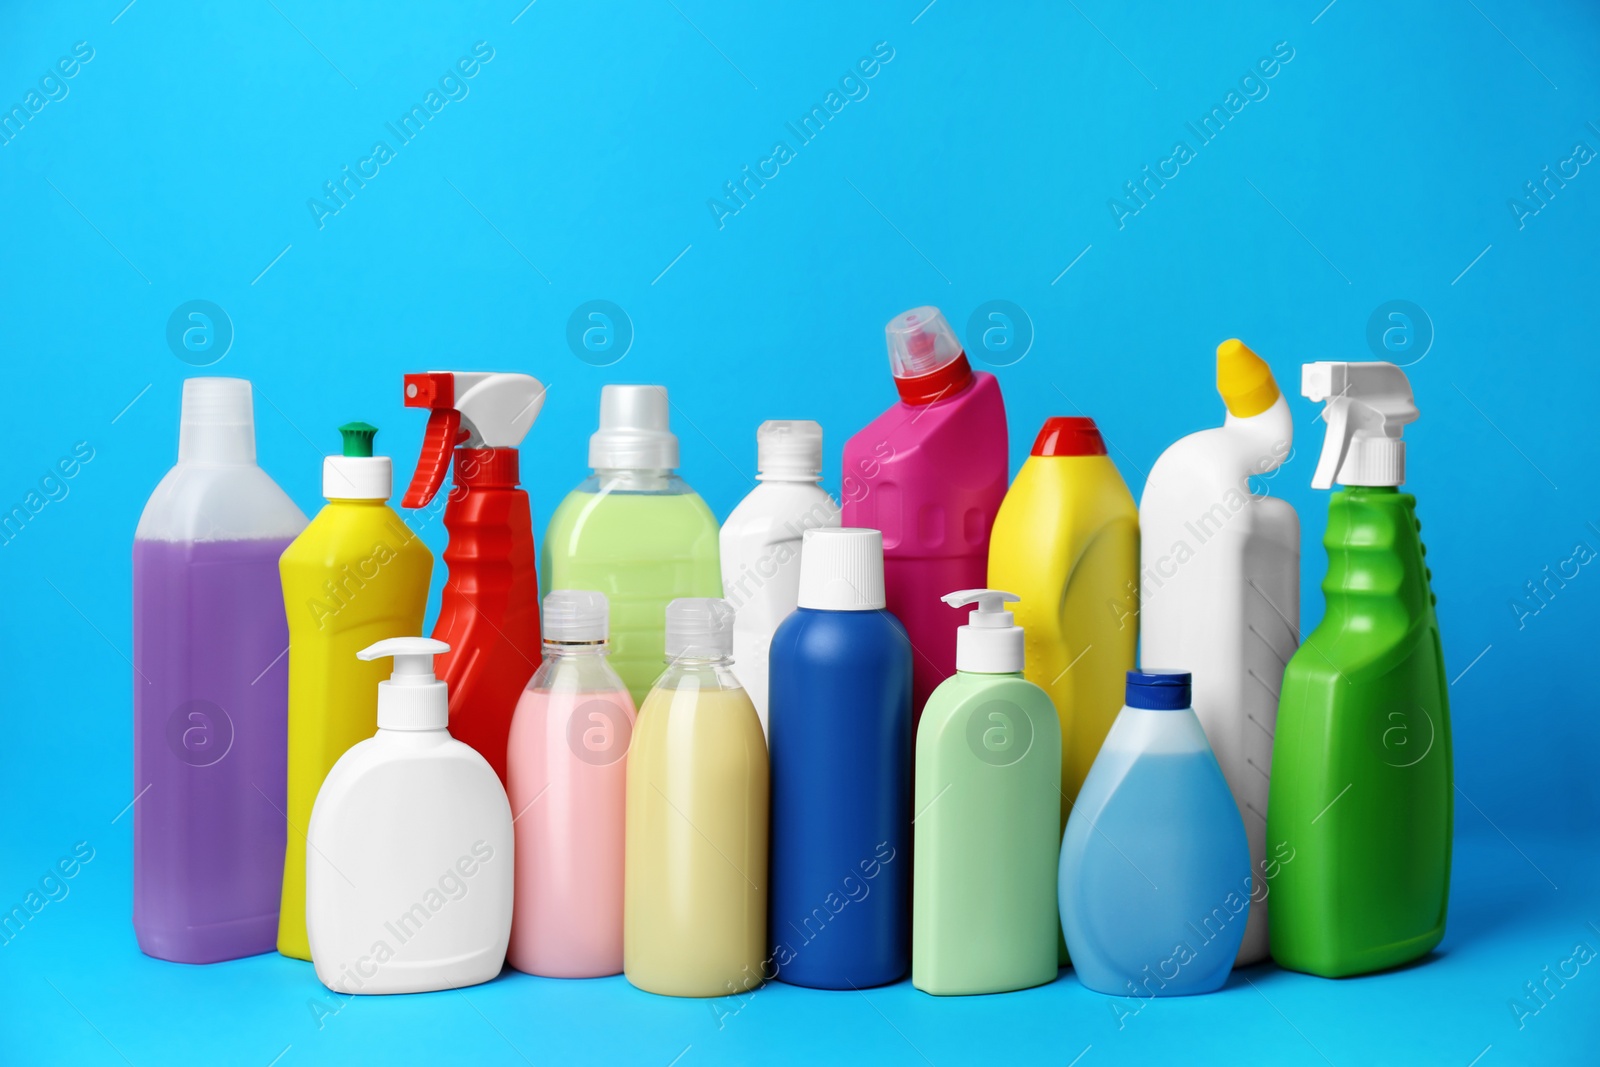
{"points": [[1368, 404], [412, 698], [991, 641]]}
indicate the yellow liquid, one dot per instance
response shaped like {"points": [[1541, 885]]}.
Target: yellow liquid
{"points": [[354, 576], [695, 896]]}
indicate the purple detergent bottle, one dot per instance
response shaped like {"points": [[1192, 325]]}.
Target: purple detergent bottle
{"points": [[210, 690]]}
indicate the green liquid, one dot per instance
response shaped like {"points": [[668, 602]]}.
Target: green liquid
{"points": [[642, 550]]}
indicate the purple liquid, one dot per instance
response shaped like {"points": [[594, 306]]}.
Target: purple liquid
{"points": [[210, 746]]}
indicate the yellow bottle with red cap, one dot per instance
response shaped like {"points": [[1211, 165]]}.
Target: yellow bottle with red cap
{"points": [[1066, 541]]}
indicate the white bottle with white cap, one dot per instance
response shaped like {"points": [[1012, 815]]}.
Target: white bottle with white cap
{"points": [[761, 540], [409, 855], [634, 530], [695, 874]]}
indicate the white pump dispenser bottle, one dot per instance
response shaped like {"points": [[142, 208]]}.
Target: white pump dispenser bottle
{"points": [[408, 826]]}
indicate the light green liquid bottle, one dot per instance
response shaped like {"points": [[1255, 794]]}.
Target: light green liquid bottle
{"points": [[634, 531]]}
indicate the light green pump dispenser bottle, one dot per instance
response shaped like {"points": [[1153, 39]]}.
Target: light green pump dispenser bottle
{"points": [[988, 816], [634, 531]]}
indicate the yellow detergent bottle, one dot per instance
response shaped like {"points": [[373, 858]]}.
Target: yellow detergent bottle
{"points": [[1066, 541], [355, 575]]}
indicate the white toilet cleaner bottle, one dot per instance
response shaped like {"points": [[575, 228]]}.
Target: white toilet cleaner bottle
{"points": [[760, 544], [408, 856], [1220, 589]]}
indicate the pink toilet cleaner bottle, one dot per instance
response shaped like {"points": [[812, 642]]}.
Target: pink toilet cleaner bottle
{"points": [[567, 774], [930, 473]]}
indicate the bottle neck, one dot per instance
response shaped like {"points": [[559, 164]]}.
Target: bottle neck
{"points": [[937, 385], [795, 476], [560, 649], [634, 479], [486, 468]]}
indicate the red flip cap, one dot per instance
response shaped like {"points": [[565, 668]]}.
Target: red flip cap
{"points": [[437, 392], [1069, 436]]}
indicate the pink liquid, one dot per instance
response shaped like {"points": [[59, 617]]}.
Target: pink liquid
{"points": [[931, 477], [567, 779]]}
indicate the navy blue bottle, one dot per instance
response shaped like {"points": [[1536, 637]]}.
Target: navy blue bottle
{"points": [[840, 740]]}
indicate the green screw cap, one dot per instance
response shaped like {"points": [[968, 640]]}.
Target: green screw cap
{"points": [[358, 438]]}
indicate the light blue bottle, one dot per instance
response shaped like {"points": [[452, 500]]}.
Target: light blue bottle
{"points": [[1155, 868]]}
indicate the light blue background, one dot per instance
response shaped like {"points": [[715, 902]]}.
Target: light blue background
{"points": [[978, 167]]}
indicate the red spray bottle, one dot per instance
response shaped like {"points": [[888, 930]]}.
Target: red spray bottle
{"points": [[489, 614]]}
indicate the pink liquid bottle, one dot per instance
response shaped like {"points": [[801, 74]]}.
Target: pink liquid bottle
{"points": [[930, 473], [567, 774], [210, 690]]}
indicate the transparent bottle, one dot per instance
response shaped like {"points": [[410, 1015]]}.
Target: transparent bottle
{"points": [[695, 914], [567, 776], [634, 530]]}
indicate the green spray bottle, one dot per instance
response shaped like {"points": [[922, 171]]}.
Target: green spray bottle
{"points": [[1360, 805], [987, 832]]}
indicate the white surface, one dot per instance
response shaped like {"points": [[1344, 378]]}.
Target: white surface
{"points": [[760, 548], [1220, 598], [409, 867], [842, 570], [789, 449]]}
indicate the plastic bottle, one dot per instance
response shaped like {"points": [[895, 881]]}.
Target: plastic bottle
{"points": [[210, 689], [695, 902], [1221, 587], [489, 612], [1362, 787], [760, 544], [1067, 540], [841, 772], [930, 473], [409, 857], [634, 530], [987, 823], [567, 780], [356, 573], [1155, 884]]}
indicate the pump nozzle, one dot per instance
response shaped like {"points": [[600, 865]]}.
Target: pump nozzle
{"points": [[413, 698], [991, 641], [1368, 405], [469, 410]]}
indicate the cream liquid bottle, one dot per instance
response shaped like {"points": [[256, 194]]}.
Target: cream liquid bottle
{"points": [[695, 873]]}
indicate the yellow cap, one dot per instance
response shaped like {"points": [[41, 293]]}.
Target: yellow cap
{"points": [[1244, 380]]}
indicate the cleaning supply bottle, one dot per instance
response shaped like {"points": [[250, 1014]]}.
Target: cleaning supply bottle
{"points": [[210, 689], [1155, 884], [352, 576], [988, 817], [1362, 786], [567, 776], [760, 544], [634, 530], [841, 772], [695, 896], [489, 613], [930, 473], [1221, 587], [1067, 541], [409, 857]]}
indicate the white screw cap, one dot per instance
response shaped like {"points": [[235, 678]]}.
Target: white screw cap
{"points": [[841, 570], [635, 431]]}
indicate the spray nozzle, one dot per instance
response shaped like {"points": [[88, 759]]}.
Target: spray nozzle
{"points": [[1368, 404], [991, 641], [413, 698], [469, 410]]}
